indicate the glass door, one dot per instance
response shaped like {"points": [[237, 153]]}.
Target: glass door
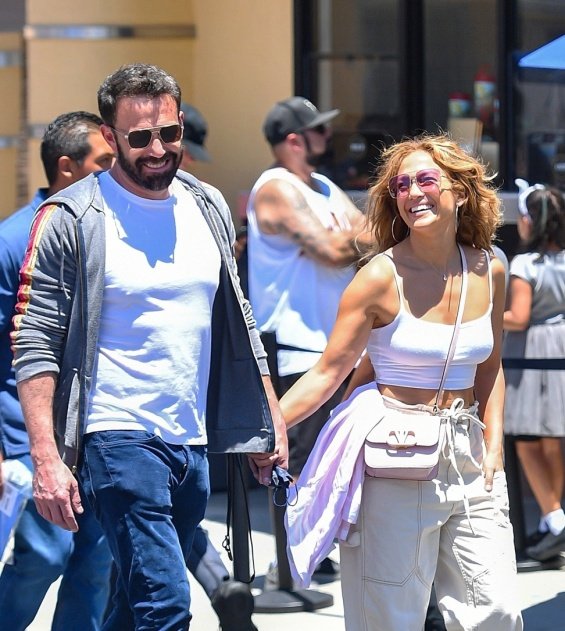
{"points": [[352, 62], [539, 95]]}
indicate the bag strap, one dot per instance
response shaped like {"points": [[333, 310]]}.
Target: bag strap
{"points": [[232, 473], [456, 327]]}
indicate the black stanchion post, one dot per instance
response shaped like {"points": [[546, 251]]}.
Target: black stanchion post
{"points": [[524, 563], [285, 598], [515, 495], [283, 567]]}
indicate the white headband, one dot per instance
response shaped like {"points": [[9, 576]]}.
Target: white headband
{"points": [[524, 191]]}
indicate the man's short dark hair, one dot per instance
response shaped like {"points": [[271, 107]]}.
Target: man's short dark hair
{"points": [[134, 80], [67, 135]]}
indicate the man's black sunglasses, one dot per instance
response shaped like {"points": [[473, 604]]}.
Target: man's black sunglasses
{"points": [[140, 138]]}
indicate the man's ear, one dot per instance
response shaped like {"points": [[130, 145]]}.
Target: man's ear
{"points": [[108, 135], [65, 167], [295, 140]]}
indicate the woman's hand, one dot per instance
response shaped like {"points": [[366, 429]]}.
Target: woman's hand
{"points": [[491, 464]]}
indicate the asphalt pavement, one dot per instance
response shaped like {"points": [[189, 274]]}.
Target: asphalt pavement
{"points": [[541, 593]]}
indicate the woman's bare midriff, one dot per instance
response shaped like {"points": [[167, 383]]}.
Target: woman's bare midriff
{"points": [[413, 396]]}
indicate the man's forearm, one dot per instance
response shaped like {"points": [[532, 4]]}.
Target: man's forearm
{"points": [[278, 422], [333, 248], [36, 398], [55, 490]]}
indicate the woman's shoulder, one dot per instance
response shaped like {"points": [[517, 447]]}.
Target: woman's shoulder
{"points": [[381, 266], [480, 261], [378, 272]]}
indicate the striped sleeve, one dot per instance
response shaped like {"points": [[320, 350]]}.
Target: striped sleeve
{"points": [[30, 259]]}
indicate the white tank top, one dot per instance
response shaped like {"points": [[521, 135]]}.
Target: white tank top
{"points": [[291, 293], [411, 352]]}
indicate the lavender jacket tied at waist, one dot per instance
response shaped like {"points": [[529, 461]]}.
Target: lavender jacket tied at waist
{"points": [[326, 499]]}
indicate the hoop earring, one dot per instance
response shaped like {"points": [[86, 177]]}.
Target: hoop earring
{"points": [[392, 230]]}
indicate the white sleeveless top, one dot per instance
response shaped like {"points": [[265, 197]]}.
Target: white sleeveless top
{"points": [[291, 293], [411, 352]]}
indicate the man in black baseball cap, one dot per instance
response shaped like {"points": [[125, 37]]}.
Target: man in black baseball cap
{"points": [[294, 115], [193, 136], [303, 234]]}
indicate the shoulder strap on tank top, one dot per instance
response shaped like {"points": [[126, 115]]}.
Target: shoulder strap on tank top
{"points": [[490, 284], [397, 281]]}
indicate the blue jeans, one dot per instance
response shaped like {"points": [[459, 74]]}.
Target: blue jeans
{"points": [[149, 497], [43, 552]]}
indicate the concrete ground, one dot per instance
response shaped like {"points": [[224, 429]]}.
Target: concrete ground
{"points": [[541, 593]]}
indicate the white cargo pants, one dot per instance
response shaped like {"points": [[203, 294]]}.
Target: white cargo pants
{"points": [[412, 533]]}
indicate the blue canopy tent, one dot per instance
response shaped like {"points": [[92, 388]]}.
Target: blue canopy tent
{"points": [[546, 63]]}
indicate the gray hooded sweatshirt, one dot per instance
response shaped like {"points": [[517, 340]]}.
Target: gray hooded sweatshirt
{"points": [[58, 317]]}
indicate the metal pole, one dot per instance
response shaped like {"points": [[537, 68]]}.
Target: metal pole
{"points": [[514, 477], [285, 599], [515, 496]]}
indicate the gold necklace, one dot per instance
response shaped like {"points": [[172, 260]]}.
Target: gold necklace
{"points": [[444, 274]]}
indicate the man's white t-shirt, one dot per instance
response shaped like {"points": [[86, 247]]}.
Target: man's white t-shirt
{"points": [[161, 276]]}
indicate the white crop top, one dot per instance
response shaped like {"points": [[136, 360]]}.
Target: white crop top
{"points": [[411, 352]]}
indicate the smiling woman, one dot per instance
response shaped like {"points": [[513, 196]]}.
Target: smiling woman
{"points": [[426, 180], [468, 179], [428, 309]]}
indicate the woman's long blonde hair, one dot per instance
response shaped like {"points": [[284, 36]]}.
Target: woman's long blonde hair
{"points": [[479, 215]]}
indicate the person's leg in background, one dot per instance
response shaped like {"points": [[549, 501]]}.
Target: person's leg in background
{"points": [[232, 600], [41, 552], [85, 587], [205, 564], [539, 475], [542, 463], [434, 619], [553, 453]]}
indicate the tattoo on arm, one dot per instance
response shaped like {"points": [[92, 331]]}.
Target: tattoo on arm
{"points": [[292, 216]]}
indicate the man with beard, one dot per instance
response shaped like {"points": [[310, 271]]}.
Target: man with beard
{"points": [[304, 239], [133, 342]]}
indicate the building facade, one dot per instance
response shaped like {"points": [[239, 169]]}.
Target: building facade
{"points": [[393, 67]]}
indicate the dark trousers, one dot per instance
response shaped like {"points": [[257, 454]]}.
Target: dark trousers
{"points": [[434, 619]]}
